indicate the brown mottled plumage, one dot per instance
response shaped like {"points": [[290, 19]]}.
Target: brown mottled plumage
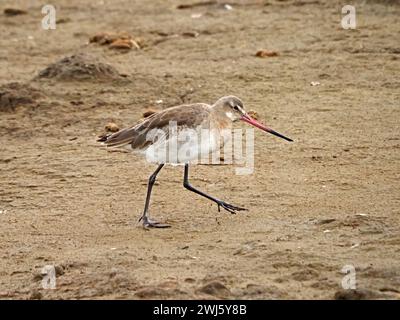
{"points": [[193, 115]]}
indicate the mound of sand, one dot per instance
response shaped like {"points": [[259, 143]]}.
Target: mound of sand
{"points": [[80, 67], [16, 94]]}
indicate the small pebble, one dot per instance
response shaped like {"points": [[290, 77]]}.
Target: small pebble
{"points": [[35, 295], [111, 127]]}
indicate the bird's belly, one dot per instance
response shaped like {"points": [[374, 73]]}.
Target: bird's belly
{"points": [[180, 151]]}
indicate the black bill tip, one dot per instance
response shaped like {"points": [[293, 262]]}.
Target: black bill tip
{"points": [[280, 135]]}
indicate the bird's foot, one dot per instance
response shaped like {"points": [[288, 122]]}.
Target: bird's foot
{"points": [[148, 223], [229, 207]]}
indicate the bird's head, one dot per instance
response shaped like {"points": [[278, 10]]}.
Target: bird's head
{"points": [[232, 108]]}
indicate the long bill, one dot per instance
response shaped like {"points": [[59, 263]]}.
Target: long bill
{"points": [[255, 123]]}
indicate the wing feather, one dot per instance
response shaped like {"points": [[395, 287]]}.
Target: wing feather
{"points": [[138, 136]]}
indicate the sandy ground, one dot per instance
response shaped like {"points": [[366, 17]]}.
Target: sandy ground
{"points": [[327, 200]]}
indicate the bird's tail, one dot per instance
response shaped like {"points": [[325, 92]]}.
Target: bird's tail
{"points": [[120, 138], [104, 137]]}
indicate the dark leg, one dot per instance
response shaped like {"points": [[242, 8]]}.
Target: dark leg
{"points": [[228, 207], [146, 221]]}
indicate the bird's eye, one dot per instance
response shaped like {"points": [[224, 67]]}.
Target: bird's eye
{"points": [[236, 108]]}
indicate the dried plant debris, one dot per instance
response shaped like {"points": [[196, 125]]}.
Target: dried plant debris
{"points": [[63, 20], [210, 3], [122, 41], [124, 44], [16, 94], [190, 34], [253, 114], [165, 36], [196, 4], [105, 38], [266, 53], [79, 67], [10, 12]]}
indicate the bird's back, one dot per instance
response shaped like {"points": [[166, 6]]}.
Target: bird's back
{"points": [[138, 136]]}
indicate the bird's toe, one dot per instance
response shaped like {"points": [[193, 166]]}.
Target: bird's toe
{"points": [[229, 207], [149, 223]]}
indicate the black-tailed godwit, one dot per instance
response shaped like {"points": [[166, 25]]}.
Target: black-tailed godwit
{"points": [[155, 139]]}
